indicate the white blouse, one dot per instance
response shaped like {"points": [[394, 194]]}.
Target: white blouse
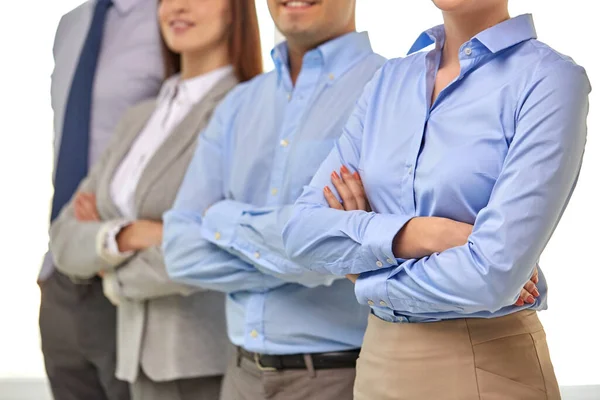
{"points": [[174, 102]]}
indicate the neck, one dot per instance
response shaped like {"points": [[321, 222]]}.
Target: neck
{"points": [[461, 27], [201, 62]]}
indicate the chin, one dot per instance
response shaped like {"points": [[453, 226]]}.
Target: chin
{"points": [[452, 5]]}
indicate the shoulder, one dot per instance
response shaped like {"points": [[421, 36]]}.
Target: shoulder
{"points": [[73, 19], [401, 65], [554, 71], [550, 61], [246, 93], [141, 110]]}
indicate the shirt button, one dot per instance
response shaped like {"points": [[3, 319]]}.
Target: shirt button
{"points": [[331, 77], [289, 96], [257, 255], [254, 333], [379, 264], [390, 261], [468, 51], [410, 170], [382, 303], [371, 302], [284, 143], [217, 236], [274, 191]]}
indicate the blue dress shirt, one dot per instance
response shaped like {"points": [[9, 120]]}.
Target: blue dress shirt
{"points": [[262, 146], [500, 148]]}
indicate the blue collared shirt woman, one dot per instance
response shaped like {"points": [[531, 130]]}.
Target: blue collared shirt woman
{"points": [[491, 134]]}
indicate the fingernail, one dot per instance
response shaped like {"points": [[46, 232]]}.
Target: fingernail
{"points": [[520, 302], [535, 279], [536, 293], [356, 175], [530, 299], [344, 170], [335, 175], [326, 189]]}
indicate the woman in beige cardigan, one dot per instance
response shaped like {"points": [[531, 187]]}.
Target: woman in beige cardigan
{"points": [[170, 344]]}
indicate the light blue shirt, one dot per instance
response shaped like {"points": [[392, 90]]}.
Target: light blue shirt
{"points": [[262, 146], [500, 148]]}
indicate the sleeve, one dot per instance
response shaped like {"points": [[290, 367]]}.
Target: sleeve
{"points": [[74, 244], [530, 195], [254, 235], [145, 277], [335, 241], [189, 257]]}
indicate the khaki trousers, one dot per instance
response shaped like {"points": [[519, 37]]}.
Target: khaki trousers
{"points": [[501, 358], [245, 381]]}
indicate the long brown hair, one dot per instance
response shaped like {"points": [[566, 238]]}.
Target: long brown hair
{"points": [[244, 44]]}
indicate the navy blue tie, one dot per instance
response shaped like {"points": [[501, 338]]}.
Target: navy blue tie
{"points": [[72, 164]]}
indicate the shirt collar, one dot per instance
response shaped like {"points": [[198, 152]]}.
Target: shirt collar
{"points": [[497, 38], [193, 89], [336, 56], [124, 6]]}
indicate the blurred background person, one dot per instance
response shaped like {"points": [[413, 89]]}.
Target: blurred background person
{"points": [[171, 341], [107, 58]]}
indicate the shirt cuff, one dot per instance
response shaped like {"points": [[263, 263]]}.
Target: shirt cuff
{"points": [[111, 287], [107, 247], [378, 238], [220, 222], [371, 289]]}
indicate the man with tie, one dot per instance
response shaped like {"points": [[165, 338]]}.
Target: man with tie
{"points": [[107, 58]]}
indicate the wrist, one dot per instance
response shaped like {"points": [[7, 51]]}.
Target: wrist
{"points": [[416, 239], [125, 239]]}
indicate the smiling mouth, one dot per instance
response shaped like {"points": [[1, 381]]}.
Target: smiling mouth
{"points": [[180, 25], [298, 4]]}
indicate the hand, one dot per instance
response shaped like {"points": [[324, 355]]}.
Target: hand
{"points": [[353, 277], [529, 291], [140, 235], [85, 207], [350, 188], [424, 236]]}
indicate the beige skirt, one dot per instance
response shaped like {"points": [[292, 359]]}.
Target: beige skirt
{"points": [[488, 359]]}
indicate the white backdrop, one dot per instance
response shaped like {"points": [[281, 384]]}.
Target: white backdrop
{"points": [[25, 168]]}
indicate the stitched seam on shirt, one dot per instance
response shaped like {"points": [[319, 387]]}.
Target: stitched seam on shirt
{"points": [[474, 364], [521, 102], [540, 363]]}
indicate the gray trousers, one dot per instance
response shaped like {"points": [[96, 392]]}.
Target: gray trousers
{"points": [[78, 330], [202, 388], [245, 381]]}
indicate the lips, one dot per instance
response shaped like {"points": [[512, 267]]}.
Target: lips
{"points": [[298, 4], [179, 25]]}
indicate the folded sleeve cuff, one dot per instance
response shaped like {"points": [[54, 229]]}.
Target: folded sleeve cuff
{"points": [[371, 289], [220, 221], [378, 239]]}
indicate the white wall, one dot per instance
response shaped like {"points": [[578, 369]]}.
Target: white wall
{"points": [[25, 163]]}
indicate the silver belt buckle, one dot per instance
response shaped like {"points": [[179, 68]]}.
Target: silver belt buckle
{"points": [[259, 365]]}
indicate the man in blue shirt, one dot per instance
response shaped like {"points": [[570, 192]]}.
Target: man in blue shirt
{"points": [[264, 143]]}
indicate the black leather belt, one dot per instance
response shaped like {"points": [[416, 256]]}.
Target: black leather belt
{"points": [[332, 360]]}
